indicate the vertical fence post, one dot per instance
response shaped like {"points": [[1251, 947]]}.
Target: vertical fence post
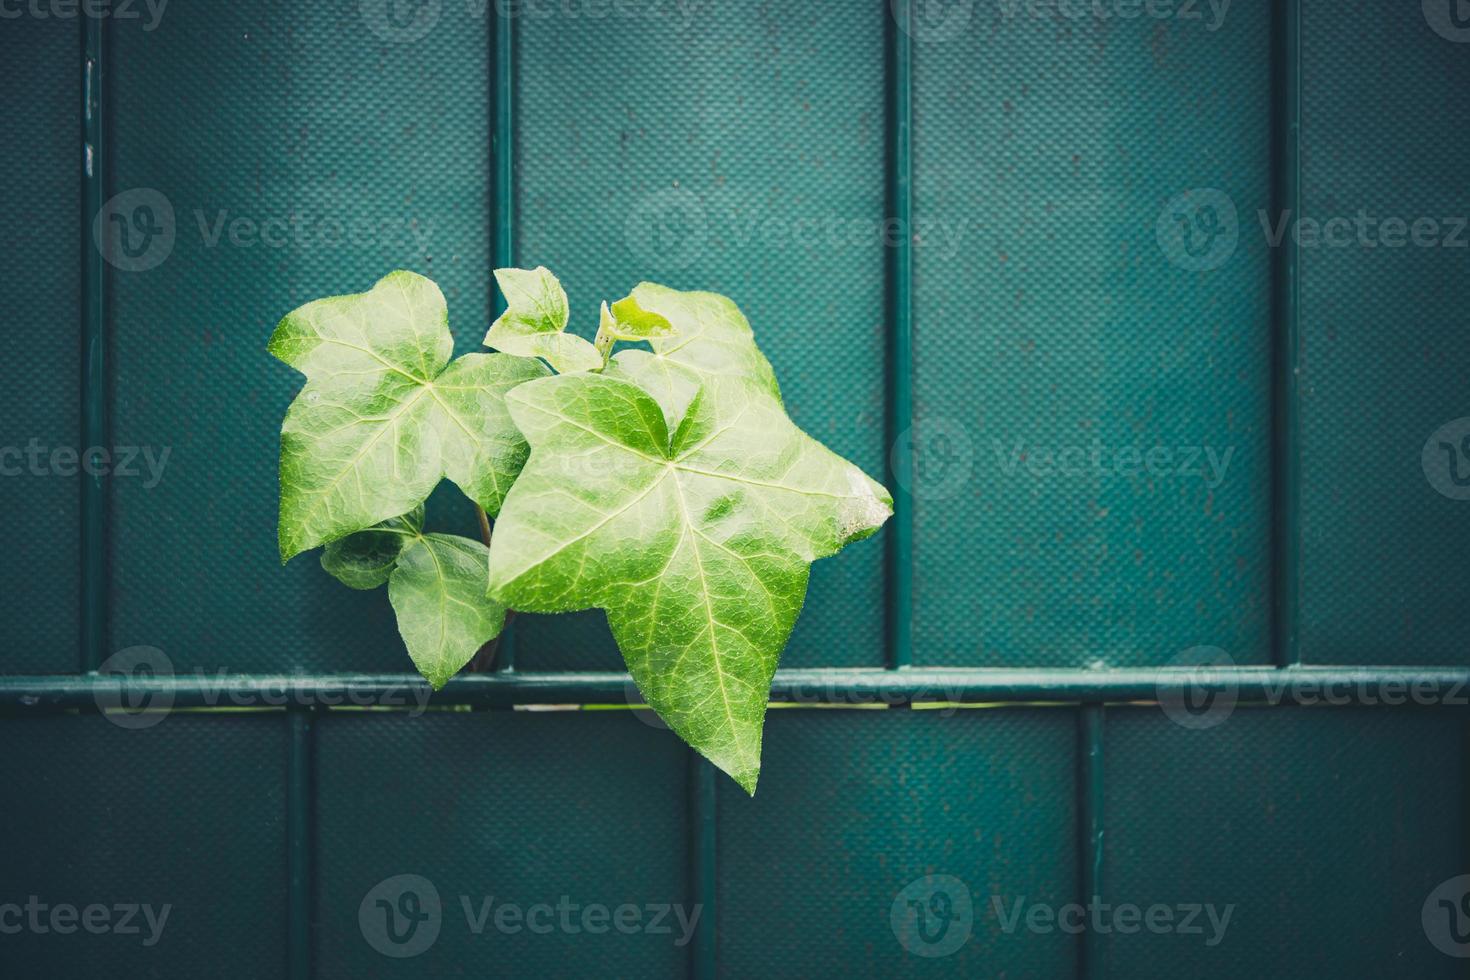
{"points": [[502, 215], [94, 431], [702, 822], [298, 844], [900, 338], [1286, 145], [1090, 784]]}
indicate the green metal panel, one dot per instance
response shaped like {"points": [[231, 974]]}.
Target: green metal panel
{"points": [[447, 797], [186, 813], [272, 112], [854, 806], [1386, 349], [1326, 829], [1054, 144], [721, 153], [719, 146], [39, 294]]}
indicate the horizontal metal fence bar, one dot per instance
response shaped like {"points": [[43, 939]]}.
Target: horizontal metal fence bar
{"points": [[1296, 684]]}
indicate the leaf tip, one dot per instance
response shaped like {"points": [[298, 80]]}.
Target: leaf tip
{"points": [[288, 545], [747, 779]]}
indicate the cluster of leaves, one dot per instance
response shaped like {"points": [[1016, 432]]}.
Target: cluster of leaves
{"points": [[664, 484]]}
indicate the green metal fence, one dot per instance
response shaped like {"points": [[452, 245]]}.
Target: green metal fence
{"points": [[950, 226]]}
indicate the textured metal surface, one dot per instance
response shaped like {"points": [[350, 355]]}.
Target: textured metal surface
{"points": [[689, 155], [686, 145], [1056, 144], [1386, 351], [900, 352], [285, 112], [186, 813], [853, 806], [40, 300], [1327, 830], [448, 797]]}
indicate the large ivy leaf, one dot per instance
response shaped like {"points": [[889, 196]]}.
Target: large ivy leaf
{"points": [[711, 336], [689, 508], [438, 593], [384, 415], [535, 320]]}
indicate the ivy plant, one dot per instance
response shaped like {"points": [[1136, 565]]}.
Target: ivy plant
{"points": [[663, 483]]}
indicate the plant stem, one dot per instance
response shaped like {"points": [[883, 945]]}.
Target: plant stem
{"points": [[484, 524], [484, 658]]}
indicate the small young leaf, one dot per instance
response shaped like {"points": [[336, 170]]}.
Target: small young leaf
{"points": [[365, 560], [633, 322], [381, 419], [438, 594], [696, 539], [535, 317], [607, 332]]}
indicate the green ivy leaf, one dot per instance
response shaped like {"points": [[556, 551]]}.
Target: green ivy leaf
{"points": [[438, 593], [691, 519], [633, 322], [711, 336], [535, 317], [384, 415], [671, 384], [365, 560], [436, 584]]}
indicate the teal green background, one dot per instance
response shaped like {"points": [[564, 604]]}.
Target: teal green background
{"points": [[1051, 149]]}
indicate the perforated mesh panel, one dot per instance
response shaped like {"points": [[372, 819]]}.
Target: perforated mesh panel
{"points": [[1054, 145], [273, 112], [39, 294], [1385, 347], [1326, 830], [450, 798], [187, 814], [853, 806]]}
